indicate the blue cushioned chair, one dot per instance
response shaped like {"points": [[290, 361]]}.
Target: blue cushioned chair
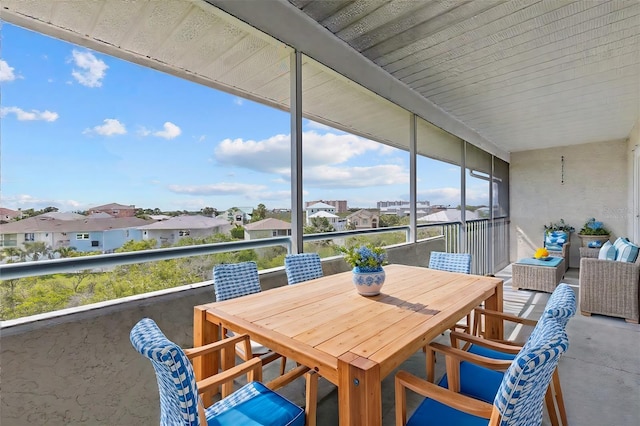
{"points": [[231, 280], [452, 262], [560, 307], [558, 244], [180, 404], [302, 267], [517, 395]]}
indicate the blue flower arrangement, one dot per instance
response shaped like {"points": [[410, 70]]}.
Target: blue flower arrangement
{"points": [[593, 227], [366, 258]]}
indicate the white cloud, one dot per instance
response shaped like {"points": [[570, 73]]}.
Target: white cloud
{"points": [[222, 188], [91, 69], [25, 201], [6, 71], [143, 131], [273, 154], [324, 159], [171, 131], [249, 192], [110, 127], [447, 196], [32, 115], [238, 101]]}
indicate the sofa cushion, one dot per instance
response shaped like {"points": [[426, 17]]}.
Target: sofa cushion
{"points": [[608, 251], [554, 240], [626, 250]]}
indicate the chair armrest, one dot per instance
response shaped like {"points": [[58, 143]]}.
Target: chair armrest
{"points": [[481, 341], [287, 378], [459, 355], [505, 316], [229, 342], [253, 366], [405, 380]]}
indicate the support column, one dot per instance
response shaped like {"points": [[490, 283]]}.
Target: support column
{"points": [[297, 217]]}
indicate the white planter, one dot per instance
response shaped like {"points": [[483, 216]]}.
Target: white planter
{"points": [[368, 283], [586, 239]]}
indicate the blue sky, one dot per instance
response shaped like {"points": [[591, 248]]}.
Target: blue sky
{"points": [[80, 129]]}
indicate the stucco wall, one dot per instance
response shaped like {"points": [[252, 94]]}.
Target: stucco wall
{"points": [[80, 368], [633, 147], [595, 183]]}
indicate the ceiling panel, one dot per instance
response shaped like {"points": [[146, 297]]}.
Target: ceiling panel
{"points": [[519, 74], [523, 73]]}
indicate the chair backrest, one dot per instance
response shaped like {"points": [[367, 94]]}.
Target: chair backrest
{"points": [[562, 304], [176, 380], [452, 262], [521, 394], [560, 307], [231, 280], [302, 267]]}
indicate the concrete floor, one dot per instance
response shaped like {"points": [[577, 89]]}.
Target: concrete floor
{"points": [[600, 373]]}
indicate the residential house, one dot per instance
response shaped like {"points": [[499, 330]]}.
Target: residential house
{"points": [[170, 231], [83, 233], [313, 210], [340, 205], [7, 215], [237, 215], [267, 228], [403, 208], [363, 219], [115, 210]]}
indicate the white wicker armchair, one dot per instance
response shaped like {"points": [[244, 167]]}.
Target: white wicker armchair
{"points": [[609, 287]]}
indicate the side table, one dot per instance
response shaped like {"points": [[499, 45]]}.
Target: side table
{"points": [[541, 275]]}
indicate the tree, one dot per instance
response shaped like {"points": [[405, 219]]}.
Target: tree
{"points": [[36, 249], [66, 251], [318, 225], [237, 232], [259, 213], [209, 211], [14, 253]]}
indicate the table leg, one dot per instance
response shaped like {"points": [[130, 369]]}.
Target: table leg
{"points": [[359, 391], [495, 326], [205, 332]]}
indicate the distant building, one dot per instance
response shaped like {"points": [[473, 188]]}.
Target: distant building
{"points": [[363, 219], [170, 231], [340, 205], [267, 228], [237, 215], [403, 208], [85, 234], [7, 215], [314, 209], [114, 210]]}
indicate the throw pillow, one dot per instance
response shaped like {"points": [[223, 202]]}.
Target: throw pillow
{"points": [[627, 251], [608, 251]]}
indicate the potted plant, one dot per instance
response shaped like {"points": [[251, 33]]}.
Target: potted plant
{"points": [[558, 226], [557, 235], [367, 261], [593, 234]]}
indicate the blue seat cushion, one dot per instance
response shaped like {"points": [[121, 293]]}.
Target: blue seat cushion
{"points": [[478, 382], [433, 413], [490, 353], [252, 405]]}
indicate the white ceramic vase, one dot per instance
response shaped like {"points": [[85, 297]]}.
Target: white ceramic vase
{"points": [[368, 283]]}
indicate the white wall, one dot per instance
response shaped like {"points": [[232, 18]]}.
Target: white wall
{"points": [[595, 183], [634, 191]]}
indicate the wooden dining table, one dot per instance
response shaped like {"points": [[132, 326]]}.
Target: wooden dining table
{"points": [[351, 340]]}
